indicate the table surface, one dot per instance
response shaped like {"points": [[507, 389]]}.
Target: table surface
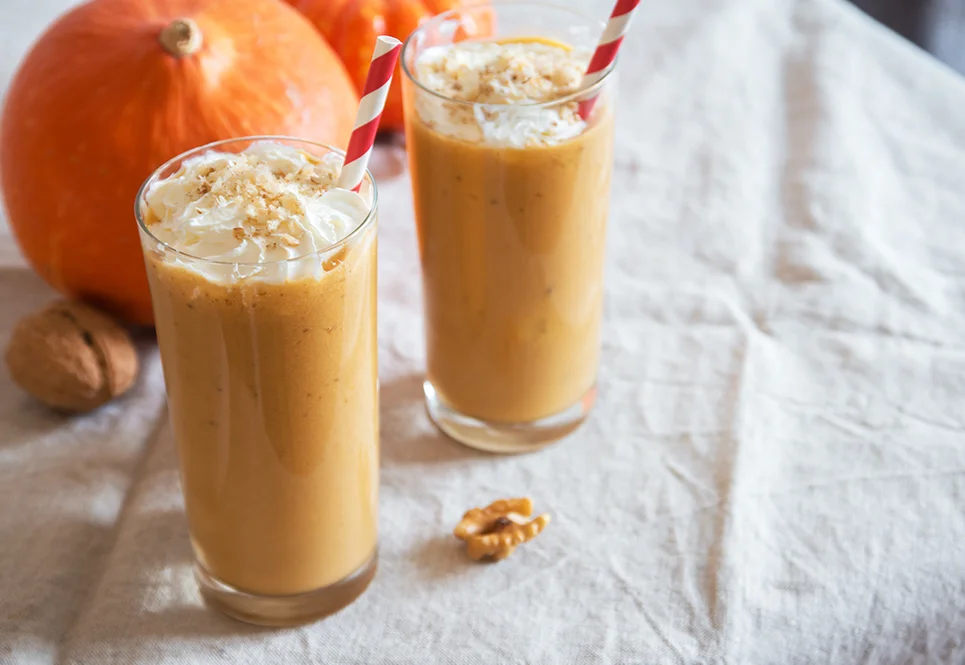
{"points": [[774, 472]]}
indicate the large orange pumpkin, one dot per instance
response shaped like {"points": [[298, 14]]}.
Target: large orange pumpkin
{"points": [[351, 27], [115, 88]]}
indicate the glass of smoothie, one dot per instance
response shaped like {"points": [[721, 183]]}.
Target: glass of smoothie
{"points": [[263, 281], [511, 184]]}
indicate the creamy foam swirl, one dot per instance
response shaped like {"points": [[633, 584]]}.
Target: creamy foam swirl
{"points": [[255, 209], [502, 81]]}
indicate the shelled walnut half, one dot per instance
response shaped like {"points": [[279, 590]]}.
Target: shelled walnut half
{"points": [[494, 532]]}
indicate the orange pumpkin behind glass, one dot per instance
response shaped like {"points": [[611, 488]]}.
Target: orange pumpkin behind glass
{"points": [[351, 26], [116, 87]]}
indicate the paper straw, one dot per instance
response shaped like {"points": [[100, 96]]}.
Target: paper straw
{"points": [[606, 50], [377, 83]]}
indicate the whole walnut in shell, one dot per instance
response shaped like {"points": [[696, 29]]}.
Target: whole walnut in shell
{"points": [[71, 357]]}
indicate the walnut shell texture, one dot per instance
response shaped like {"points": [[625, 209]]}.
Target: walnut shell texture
{"points": [[71, 357]]}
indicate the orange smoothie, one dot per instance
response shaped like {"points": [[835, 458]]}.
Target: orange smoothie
{"points": [[270, 366], [512, 221]]}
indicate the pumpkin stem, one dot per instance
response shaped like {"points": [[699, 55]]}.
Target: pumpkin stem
{"points": [[181, 37]]}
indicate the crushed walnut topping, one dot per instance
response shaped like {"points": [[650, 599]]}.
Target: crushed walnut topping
{"points": [[270, 196], [509, 76], [503, 72], [273, 210]]}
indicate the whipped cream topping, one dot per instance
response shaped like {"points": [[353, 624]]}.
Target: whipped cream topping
{"points": [[503, 81], [253, 210]]}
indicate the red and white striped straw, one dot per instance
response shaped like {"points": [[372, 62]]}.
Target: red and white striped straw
{"points": [[606, 50], [376, 90]]}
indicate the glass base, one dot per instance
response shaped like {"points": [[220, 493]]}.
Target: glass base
{"points": [[284, 610], [506, 438]]}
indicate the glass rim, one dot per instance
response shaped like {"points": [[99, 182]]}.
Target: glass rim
{"points": [[576, 95], [154, 177]]}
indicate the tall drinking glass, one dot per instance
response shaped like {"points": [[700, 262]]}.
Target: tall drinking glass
{"points": [[271, 375], [511, 237]]}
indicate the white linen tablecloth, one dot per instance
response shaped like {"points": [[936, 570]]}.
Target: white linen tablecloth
{"points": [[775, 471]]}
